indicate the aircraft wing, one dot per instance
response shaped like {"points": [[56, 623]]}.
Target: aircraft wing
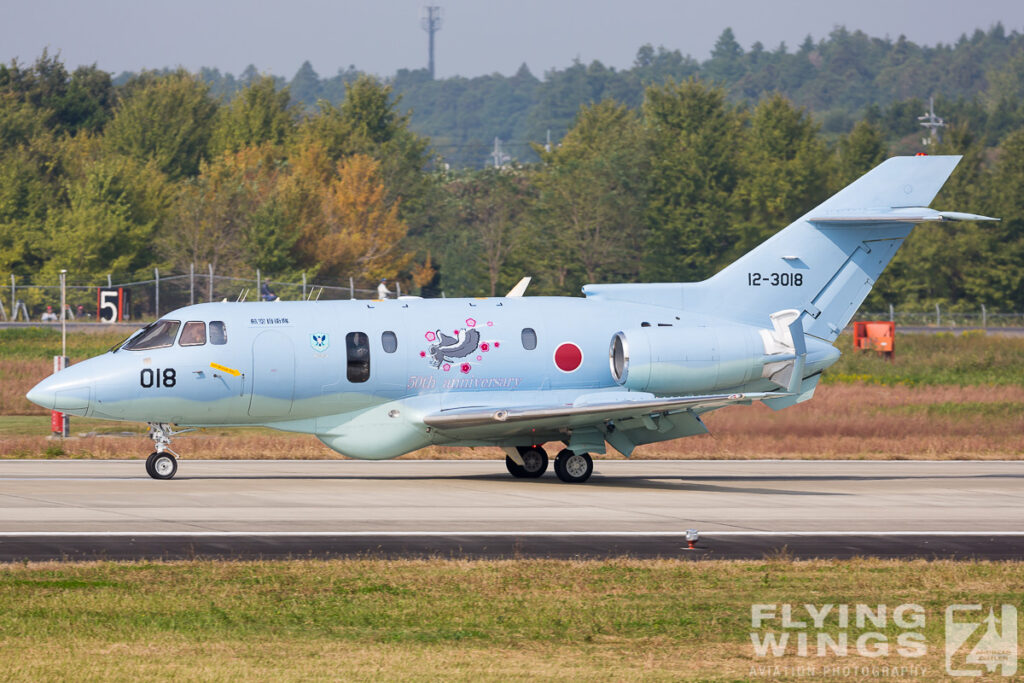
{"points": [[590, 409]]}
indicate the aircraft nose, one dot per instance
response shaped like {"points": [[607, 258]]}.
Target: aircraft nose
{"points": [[59, 392]]}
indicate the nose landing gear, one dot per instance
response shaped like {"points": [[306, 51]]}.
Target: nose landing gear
{"points": [[161, 463]]}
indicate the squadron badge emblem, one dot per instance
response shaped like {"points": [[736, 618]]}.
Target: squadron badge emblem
{"points": [[319, 341]]}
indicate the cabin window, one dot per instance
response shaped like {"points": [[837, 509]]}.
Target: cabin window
{"points": [[389, 341], [645, 324], [218, 333], [193, 334], [357, 345], [159, 335], [529, 339]]}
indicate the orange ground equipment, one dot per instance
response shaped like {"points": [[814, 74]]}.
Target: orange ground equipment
{"points": [[875, 335]]}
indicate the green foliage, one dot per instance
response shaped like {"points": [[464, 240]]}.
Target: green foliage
{"points": [[652, 174], [934, 360], [164, 119], [258, 114], [695, 162]]}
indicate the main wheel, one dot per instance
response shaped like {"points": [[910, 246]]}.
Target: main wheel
{"points": [[573, 468], [535, 461], [517, 471], [161, 465]]}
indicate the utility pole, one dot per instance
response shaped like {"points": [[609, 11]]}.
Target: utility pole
{"points": [[933, 123], [499, 156], [430, 20]]}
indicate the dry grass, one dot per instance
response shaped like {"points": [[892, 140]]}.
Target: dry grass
{"points": [[439, 619], [842, 421]]}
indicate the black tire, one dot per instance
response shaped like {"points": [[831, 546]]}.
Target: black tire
{"points": [[164, 466], [573, 468], [149, 464], [515, 470], [535, 462]]}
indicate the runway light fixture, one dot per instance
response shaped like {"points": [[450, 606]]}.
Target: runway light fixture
{"points": [[692, 536]]}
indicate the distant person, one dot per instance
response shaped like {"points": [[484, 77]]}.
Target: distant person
{"points": [[49, 316], [382, 289], [80, 312], [266, 294]]}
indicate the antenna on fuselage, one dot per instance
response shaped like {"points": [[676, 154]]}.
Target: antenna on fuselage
{"points": [[520, 288]]}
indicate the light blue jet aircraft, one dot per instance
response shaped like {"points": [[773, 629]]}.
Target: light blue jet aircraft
{"points": [[626, 365]]}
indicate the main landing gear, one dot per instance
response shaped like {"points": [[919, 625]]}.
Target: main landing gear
{"points": [[535, 463], [573, 468], [161, 463]]}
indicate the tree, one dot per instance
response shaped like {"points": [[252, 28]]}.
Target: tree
{"points": [[258, 114], [785, 170], [859, 152], [305, 85], [165, 119], [110, 207], [591, 198], [694, 141], [362, 231], [220, 216]]}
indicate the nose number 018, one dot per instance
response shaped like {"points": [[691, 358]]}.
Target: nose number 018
{"points": [[157, 378]]}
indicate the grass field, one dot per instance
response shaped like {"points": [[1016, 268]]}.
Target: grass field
{"points": [[440, 619], [945, 397]]}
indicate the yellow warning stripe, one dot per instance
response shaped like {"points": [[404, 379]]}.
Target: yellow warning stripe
{"points": [[230, 371]]}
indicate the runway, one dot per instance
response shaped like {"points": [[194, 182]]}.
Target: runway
{"points": [[86, 509]]}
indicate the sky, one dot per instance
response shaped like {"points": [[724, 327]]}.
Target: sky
{"points": [[477, 37]]}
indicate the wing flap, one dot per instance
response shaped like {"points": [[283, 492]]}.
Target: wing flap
{"points": [[587, 410]]}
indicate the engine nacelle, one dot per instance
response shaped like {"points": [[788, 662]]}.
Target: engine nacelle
{"points": [[684, 360]]}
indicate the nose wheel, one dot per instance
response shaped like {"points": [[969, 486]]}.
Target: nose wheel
{"points": [[161, 463]]}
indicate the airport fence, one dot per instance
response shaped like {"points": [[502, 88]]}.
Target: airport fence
{"points": [[147, 299]]}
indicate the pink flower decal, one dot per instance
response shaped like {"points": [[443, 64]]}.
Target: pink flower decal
{"points": [[485, 347], [430, 336], [446, 367], [479, 357], [455, 332], [497, 344], [465, 367], [490, 323], [470, 322], [423, 354]]}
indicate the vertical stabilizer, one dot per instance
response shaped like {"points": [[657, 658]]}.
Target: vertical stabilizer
{"points": [[825, 263]]}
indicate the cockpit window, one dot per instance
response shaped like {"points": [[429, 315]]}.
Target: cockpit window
{"points": [[121, 344], [193, 334], [218, 333], [157, 336]]}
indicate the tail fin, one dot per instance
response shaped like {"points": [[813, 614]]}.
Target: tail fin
{"points": [[824, 263]]}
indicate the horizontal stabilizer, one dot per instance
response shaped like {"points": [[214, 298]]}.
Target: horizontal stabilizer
{"points": [[904, 215]]}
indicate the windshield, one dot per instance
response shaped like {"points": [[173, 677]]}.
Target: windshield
{"points": [[157, 336], [119, 345]]}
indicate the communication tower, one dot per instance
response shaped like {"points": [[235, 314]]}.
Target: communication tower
{"points": [[430, 20], [933, 123]]}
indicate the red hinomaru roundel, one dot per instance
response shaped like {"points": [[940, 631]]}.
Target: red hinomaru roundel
{"points": [[568, 357]]}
